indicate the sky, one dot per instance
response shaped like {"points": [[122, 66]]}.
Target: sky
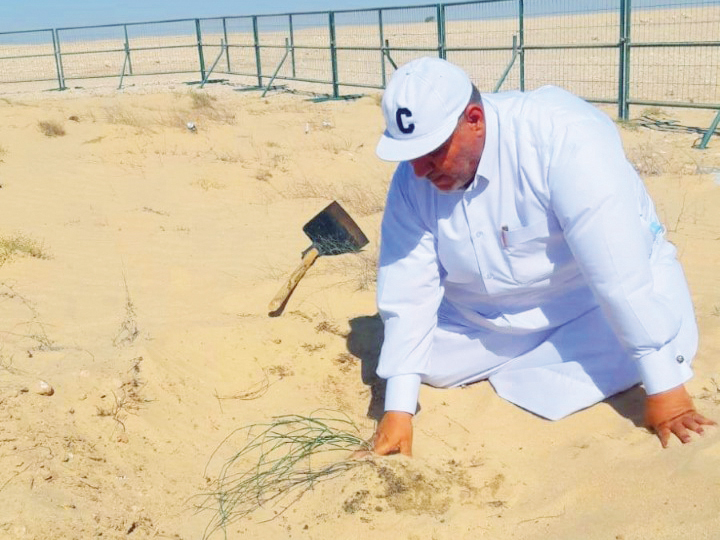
{"points": [[41, 14], [18, 15]]}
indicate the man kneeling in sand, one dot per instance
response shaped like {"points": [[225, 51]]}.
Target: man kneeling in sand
{"points": [[520, 246]]}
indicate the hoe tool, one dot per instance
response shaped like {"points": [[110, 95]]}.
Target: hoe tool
{"points": [[332, 232]]}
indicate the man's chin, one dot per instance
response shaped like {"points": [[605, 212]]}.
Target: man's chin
{"points": [[448, 187]]}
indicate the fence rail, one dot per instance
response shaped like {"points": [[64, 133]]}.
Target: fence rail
{"points": [[626, 52]]}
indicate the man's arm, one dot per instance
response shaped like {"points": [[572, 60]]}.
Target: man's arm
{"points": [[595, 195], [409, 292]]}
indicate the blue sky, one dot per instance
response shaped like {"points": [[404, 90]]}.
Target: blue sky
{"points": [[39, 14], [18, 15]]}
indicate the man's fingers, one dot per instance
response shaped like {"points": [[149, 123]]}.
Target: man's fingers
{"points": [[681, 432], [384, 447], [700, 419], [691, 423], [663, 432], [406, 448]]}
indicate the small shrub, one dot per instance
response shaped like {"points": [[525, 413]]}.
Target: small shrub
{"points": [[207, 184], [228, 156], [361, 200], [654, 112], [21, 245], [201, 100], [338, 145], [118, 115], [51, 129], [646, 161], [628, 125]]}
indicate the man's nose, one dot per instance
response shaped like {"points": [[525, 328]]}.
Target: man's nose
{"points": [[422, 166]]}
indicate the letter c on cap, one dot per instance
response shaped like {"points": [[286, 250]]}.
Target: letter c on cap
{"points": [[399, 119]]}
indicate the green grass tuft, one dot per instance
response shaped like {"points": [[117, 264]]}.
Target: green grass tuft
{"points": [[285, 456]]}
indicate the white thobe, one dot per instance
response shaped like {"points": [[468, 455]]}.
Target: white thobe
{"points": [[550, 274]]}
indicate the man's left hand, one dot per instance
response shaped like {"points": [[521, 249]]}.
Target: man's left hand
{"points": [[673, 412]]}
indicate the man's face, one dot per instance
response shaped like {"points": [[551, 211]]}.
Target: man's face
{"points": [[452, 166]]}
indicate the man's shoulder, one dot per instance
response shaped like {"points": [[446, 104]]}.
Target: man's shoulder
{"points": [[545, 108]]}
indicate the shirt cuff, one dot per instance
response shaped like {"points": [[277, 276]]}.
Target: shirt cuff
{"points": [[664, 369], [401, 393]]}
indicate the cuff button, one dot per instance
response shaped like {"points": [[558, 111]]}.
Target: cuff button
{"points": [[680, 359]]}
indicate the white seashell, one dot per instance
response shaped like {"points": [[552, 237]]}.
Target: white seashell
{"points": [[191, 126], [44, 389]]}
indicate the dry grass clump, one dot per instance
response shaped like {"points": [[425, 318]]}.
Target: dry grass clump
{"points": [[130, 399], [366, 271], [338, 145], [120, 115], [202, 100], [646, 160], [654, 112], [50, 128], [128, 328], [20, 245], [228, 156], [362, 200], [205, 106], [206, 184], [279, 461], [361, 266]]}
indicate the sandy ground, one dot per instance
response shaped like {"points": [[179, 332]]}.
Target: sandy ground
{"points": [[137, 260]]}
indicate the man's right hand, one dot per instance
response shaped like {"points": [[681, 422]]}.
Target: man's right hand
{"points": [[394, 434]]}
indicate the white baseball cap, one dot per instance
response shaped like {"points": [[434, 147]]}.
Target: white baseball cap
{"points": [[422, 104]]}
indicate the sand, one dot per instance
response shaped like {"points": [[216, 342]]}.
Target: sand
{"points": [[145, 257]]}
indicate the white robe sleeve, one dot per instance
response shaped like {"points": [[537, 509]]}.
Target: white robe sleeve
{"points": [[409, 289], [596, 195]]}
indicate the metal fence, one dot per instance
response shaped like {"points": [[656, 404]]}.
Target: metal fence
{"points": [[627, 52]]}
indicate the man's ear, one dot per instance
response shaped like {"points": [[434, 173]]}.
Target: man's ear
{"points": [[475, 117]]}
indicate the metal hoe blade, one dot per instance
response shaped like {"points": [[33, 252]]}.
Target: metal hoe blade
{"points": [[334, 232]]}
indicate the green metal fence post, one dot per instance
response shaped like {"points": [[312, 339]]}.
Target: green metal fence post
{"points": [[127, 50], [442, 52], [387, 53], [227, 43], [58, 61], [626, 71], [198, 34], [521, 42], [215, 63], [383, 74], [710, 132], [256, 38], [333, 55], [508, 67], [624, 60], [292, 45], [277, 69]]}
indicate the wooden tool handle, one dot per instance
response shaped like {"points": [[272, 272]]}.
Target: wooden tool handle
{"points": [[278, 303]]}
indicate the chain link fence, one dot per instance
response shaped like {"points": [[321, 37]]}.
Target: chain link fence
{"points": [[627, 52]]}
